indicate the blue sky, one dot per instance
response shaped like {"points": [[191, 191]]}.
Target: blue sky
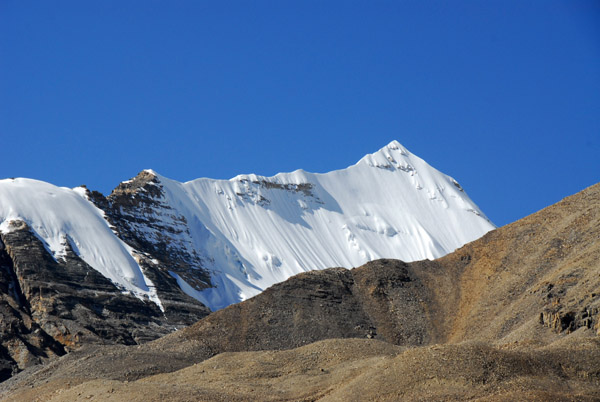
{"points": [[502, 95]]}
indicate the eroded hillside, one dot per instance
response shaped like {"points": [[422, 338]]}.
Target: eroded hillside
{"points": [[513, 314]]}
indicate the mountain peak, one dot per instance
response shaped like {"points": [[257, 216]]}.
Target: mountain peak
{"points": [[393, 156], [395, 146], [224, 241], [253, 231]]}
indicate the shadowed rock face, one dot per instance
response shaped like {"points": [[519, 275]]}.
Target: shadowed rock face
{"points": [[23, 342], [50, 307], [138, 212]]}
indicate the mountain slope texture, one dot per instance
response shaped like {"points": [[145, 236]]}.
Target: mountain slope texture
{"points": [[152, 257], [226, 240], [514, 315]]}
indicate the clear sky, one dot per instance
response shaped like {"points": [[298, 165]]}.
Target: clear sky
{"points": [[502, 95]]}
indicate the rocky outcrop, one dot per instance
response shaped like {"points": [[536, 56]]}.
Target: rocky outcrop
{"points": [[570, 321], [141, 217], [51, 307], [22, 341]]}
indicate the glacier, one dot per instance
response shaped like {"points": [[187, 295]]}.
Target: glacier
{"points": [[251, 231]]}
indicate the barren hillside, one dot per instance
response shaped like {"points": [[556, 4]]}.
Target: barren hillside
{"points": [[514, 314]]}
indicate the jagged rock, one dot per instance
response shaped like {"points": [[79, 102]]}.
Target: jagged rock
{"points": [[569, 321], [22, 341], [49, 307], [137, 211]]}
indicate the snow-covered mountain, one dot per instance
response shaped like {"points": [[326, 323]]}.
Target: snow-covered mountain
{"points": [[227, 240]]}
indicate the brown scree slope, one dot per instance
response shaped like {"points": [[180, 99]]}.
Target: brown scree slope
{"points": [[513, 314]]}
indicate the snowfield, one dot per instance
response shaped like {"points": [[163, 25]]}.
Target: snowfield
{"points": [[253, 231]]}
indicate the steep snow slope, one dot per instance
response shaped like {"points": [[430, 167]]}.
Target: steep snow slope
{"points": [[252, 231], [59, 216]]}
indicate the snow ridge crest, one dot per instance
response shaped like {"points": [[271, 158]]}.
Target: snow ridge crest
{"points": [[227, 240]]}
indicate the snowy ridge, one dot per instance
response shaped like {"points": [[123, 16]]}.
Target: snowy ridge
{"points": [[255, 231], [251, 231], [58, 215]]}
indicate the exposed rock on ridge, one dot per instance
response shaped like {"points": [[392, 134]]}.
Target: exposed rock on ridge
{"points": [[142, 218], [23, 342]]}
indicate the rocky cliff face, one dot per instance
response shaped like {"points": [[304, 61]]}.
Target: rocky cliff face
{"points": [[143, 219], [22, 340], [50, 307]]}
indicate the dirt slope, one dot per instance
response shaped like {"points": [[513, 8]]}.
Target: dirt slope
{"points": [[359, 370], [513, 313]]}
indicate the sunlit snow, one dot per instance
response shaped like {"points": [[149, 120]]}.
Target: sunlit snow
{"points": [[254, 231], [391, 204]]}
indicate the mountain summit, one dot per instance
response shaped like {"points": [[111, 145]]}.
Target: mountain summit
{"points": [[156, 255], [223, 241]]}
